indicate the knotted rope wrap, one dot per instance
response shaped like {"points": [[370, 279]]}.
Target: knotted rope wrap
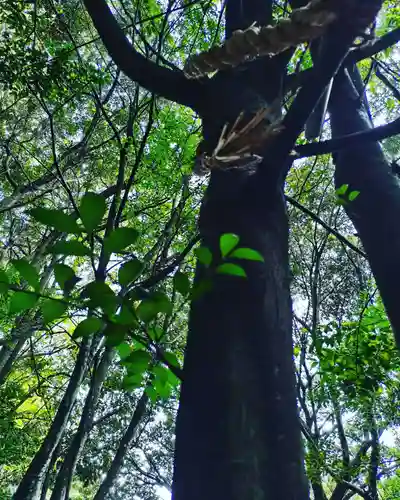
{"points": [[240, 146], [304, 24]]}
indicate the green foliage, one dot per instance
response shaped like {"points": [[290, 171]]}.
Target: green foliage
{"points": [[227, 243], [71, 247], [182, 283], [120, 238], [4, 281], [65, 277], [92, 209], [56, 219], [87, 327], [247, 254], [360, 355], [204, 255], [28, 272], [52, 309], [157, 303], [22, 301], [130, 271], [231, 269]]}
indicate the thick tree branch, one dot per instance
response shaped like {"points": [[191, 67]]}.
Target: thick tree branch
{"points": [[172, 85], [332, 145], [335, 50], [336, 45], [373, 48], [384, 42]]}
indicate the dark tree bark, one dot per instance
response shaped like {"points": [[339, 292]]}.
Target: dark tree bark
{"points": [[376, 211], [64, 477], [31, 484], [237, 432], [126, 440]]}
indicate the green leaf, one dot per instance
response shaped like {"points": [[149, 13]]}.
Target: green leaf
{"points": [[72, 247], [182, 283], [204, 255], [247, 254], [161, 373], [130, 271], [155, 333], [342, 189], [28, 272], [152, 393], [353, 195], [56, 219], [171, 358], [137, 361], [227, 243], [3, 282], [92, 210], [231, 269], [101, 295], [149, 308], [52, 309], [164, 305], [87, 327], [21, 301], [124, 350], [131, 382], [164, 390], [115, 334], [126, 316], [173, 380], [120, 238], [65, 277]]}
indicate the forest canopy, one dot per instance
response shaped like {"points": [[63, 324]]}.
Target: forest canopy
{"points": [[199, 209]]}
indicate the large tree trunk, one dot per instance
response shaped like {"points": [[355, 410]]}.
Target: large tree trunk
{"points": [[64, 476], [237, 431], [31, 484], [237, 428], [375, 212]]}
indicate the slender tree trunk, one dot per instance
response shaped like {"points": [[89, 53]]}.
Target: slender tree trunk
{"points": [[127, 439], [374, 459], [375, 212], [65, 474], [31, 484], [49, 473], [23, 329], [25, 325]]}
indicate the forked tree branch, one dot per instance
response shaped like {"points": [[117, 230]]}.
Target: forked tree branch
{"points": [[296, 80], [162, 81]]}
